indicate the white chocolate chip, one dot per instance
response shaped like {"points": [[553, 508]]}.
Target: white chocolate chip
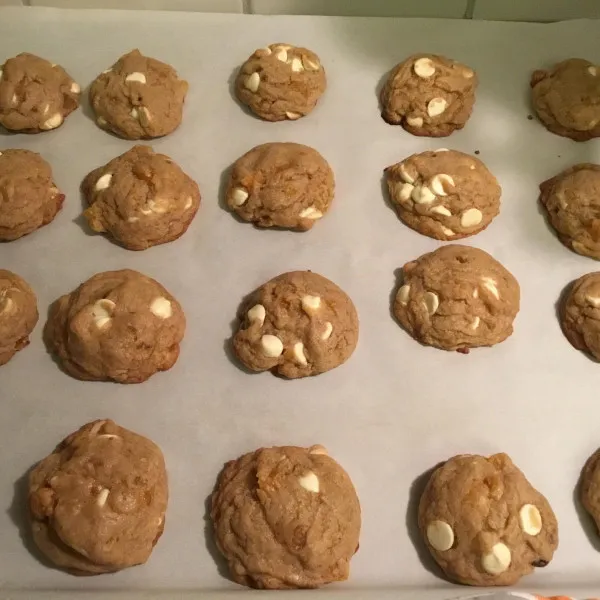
{"points": [[101, 121], [328, 329], [102, 497], [297, 65], [311, 303], [318, 449], [161, 307], [436, 107], [133, 219], [475, 323], [498, 560], [437, 183], [441, 210], [467, 73], [530, 519], [431, 302], [424, 68], [440, 535], [415, 121], [471, 217], [134, 113], [107, 71], [475, 293], [102, 312], [299, 355], [405, 191], [281, 55], [310, 65], [403, 294], [422, 195], [109, 436], [239, 196], [53, 122], [188, 203], [257, 314], [136, 76], [251, 83], [593, 301], [103, 182], [14, 100], [442, 150], [592, 71], [6, 304], [311, 213], [406, 176], [447, 231], [266, 51], [46, 109], [272, 346], [490, 284], [157, 206], [292, 116], [310, 482], [75, 88]]}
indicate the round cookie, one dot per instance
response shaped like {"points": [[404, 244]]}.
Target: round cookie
{"points": [[565, 99], [457, 298], [141, 199], [138, 97], [30, 198], [281, 185], [429, 95], [286, 517], [97, 503], [35, 94], [281, 82], [590, 486], [445, 194], [572, 202], [484, 523], [296, 325], [18, 314], [117, 326]]}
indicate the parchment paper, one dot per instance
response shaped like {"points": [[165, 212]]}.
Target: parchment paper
{"points": [[395, 409]]}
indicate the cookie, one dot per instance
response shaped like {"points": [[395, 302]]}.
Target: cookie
{"points": [[35, 94], [565, 99], [138, 97], [296, 325], [281, 185], [30, 198], [457, 298], [97, 503], [445, 194], [429, 95], [286, 517], [590, 484], [117, 326], [140, 199], [18, 314], [572, 203], [484, 523], [281, 82]]}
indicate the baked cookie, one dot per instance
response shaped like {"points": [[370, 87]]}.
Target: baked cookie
{"points": [[35, 94], [286, 517], [18, 314], [589, 491], [28, 195], [141, 199], [297, 324], [565, 99], [138, 97], [97, 503], [456, 298], [572, 202], [429, 95], [281, 185], [118, 325], [444, 194], [484, 523], [281, 82]]}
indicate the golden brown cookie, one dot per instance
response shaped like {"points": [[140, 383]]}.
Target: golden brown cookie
{"points": [[141, 199], [138, 97], [297, 324], [118, 325], [281, 82], [286, 517], [97, 503], [35, 94], [572, 202], [28, 195], [484, 523], [456, 298], [281, 185], [589, 491], [444, 194], [429, 95], [565, 98], [18, 314]]}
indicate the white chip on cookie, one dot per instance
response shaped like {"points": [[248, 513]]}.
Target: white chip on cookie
{"points": [[497, 560], [103, 182], [311, 303], [161, 307], [272, 346], [424, 68], [53, 122], [239, 196], [530, 519], [431, 302], [471, 217], [327, 332], [299, 355], [310, 213], [422, 195], [490, 284], [102, 312], [440, 535], [102, 497], [310, 482], [136, 77], [252, 82], [403, 294], [257, 314], [438, 181], [436, 107]]}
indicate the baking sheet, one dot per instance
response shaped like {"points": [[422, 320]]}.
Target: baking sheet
{"points": [[395, 409]]}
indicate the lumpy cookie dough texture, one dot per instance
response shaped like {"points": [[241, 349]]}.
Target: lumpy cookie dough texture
{"points": [[141, 199], [18, 314], [35, 94], [445, 194], [286, 517], [97, 503], [457, 297], [565, 98], [297, 324], [281, 185], [429, 95], [118, 325], [29, 197], [589, 492], [484, 523], [572, 202], [281, 82], [138, 97]]}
